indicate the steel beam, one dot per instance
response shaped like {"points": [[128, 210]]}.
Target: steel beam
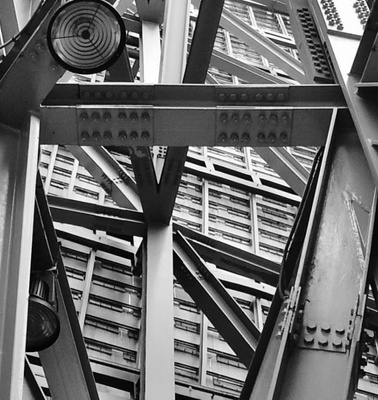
{"points": [[257, 41], [151, 10], [18, 160], [28, 72], [289, 169], [181, 115], [212, 297], [31, 390], [157, 372], [111, 176], [313, 350]]}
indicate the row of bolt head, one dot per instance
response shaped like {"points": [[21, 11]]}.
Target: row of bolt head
{"points": [[262, 137], [108, 135], [247, 119], [322, 341], [110, 95], [107, 116], [252, 97], [325, 328]]}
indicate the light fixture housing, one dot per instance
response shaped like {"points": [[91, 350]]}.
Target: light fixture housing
{"points": [[43, 322], [86, 36]]}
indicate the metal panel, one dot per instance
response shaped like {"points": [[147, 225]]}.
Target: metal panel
{"points": [[18, 160], [211, 296]]}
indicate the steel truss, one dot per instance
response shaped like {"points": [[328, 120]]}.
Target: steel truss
{"points": [[312, 342]]}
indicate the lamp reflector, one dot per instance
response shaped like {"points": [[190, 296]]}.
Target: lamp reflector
{"points": [[86, 36]]}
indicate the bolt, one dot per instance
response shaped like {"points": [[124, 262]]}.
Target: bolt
{"points": [[311, 327], [272, 137], [84, 136], [323, 341], [340, 27], [244, 97], [224, 118], [280, 97], [270, 97], [107, 116], [245, 137], [261, 137], [222, 97], [39, 47], [134, 135], [84, 116], [258, 97], [122, 116], [326, 328], [308, 339], [33, 56], [233, 97], [134, 117], [145, 117], [246, 119], [95, 117], [96, 135], [145, 135], [54, 67], [235, 118], [223, 137], [234, 137], [122, 135], [337, 343], [283, 137]]}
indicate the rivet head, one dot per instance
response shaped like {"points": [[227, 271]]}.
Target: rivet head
{"points": [[272, 137], [107, 116], [262, 118], [223, 137], [33, 56], [270, 97], [84, 136], [134, 95], [84, 116], [134, 135], [107, 135], [258, 97], [284, 119], [233, 97], [98, 95], [109, 95], [145, 135], [337, 342], [95, 117], [96, 135], [283, 137], [235, 118], [145, 95], [234, 137], [145, 117], [247, 119], [122, 116], [223, 118], [123, 95], [134, 117], [244, 97], [280, 97], [261, 137], [273, 119], [308, 339], [122, 135], [340, 331], [311, 327], [326, 328], [86, 95], [222, 97], [245, 137], [323, 341]]}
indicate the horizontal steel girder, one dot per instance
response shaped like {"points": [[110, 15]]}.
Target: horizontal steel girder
{"points": [[183, 115], [212, 297]]}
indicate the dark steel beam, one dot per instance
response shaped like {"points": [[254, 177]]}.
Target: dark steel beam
{"points": [[214, 300], [182, 115]]}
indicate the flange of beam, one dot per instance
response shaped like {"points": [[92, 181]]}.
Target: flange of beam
{"points": [[183, 115]]}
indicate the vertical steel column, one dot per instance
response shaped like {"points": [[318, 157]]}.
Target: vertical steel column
{"points": [[313, 350], [18, 166], [150, 52], [157, 375]]}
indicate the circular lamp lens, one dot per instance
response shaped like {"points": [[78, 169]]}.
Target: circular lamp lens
{"points": [[86, 36], [43, 325]]}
